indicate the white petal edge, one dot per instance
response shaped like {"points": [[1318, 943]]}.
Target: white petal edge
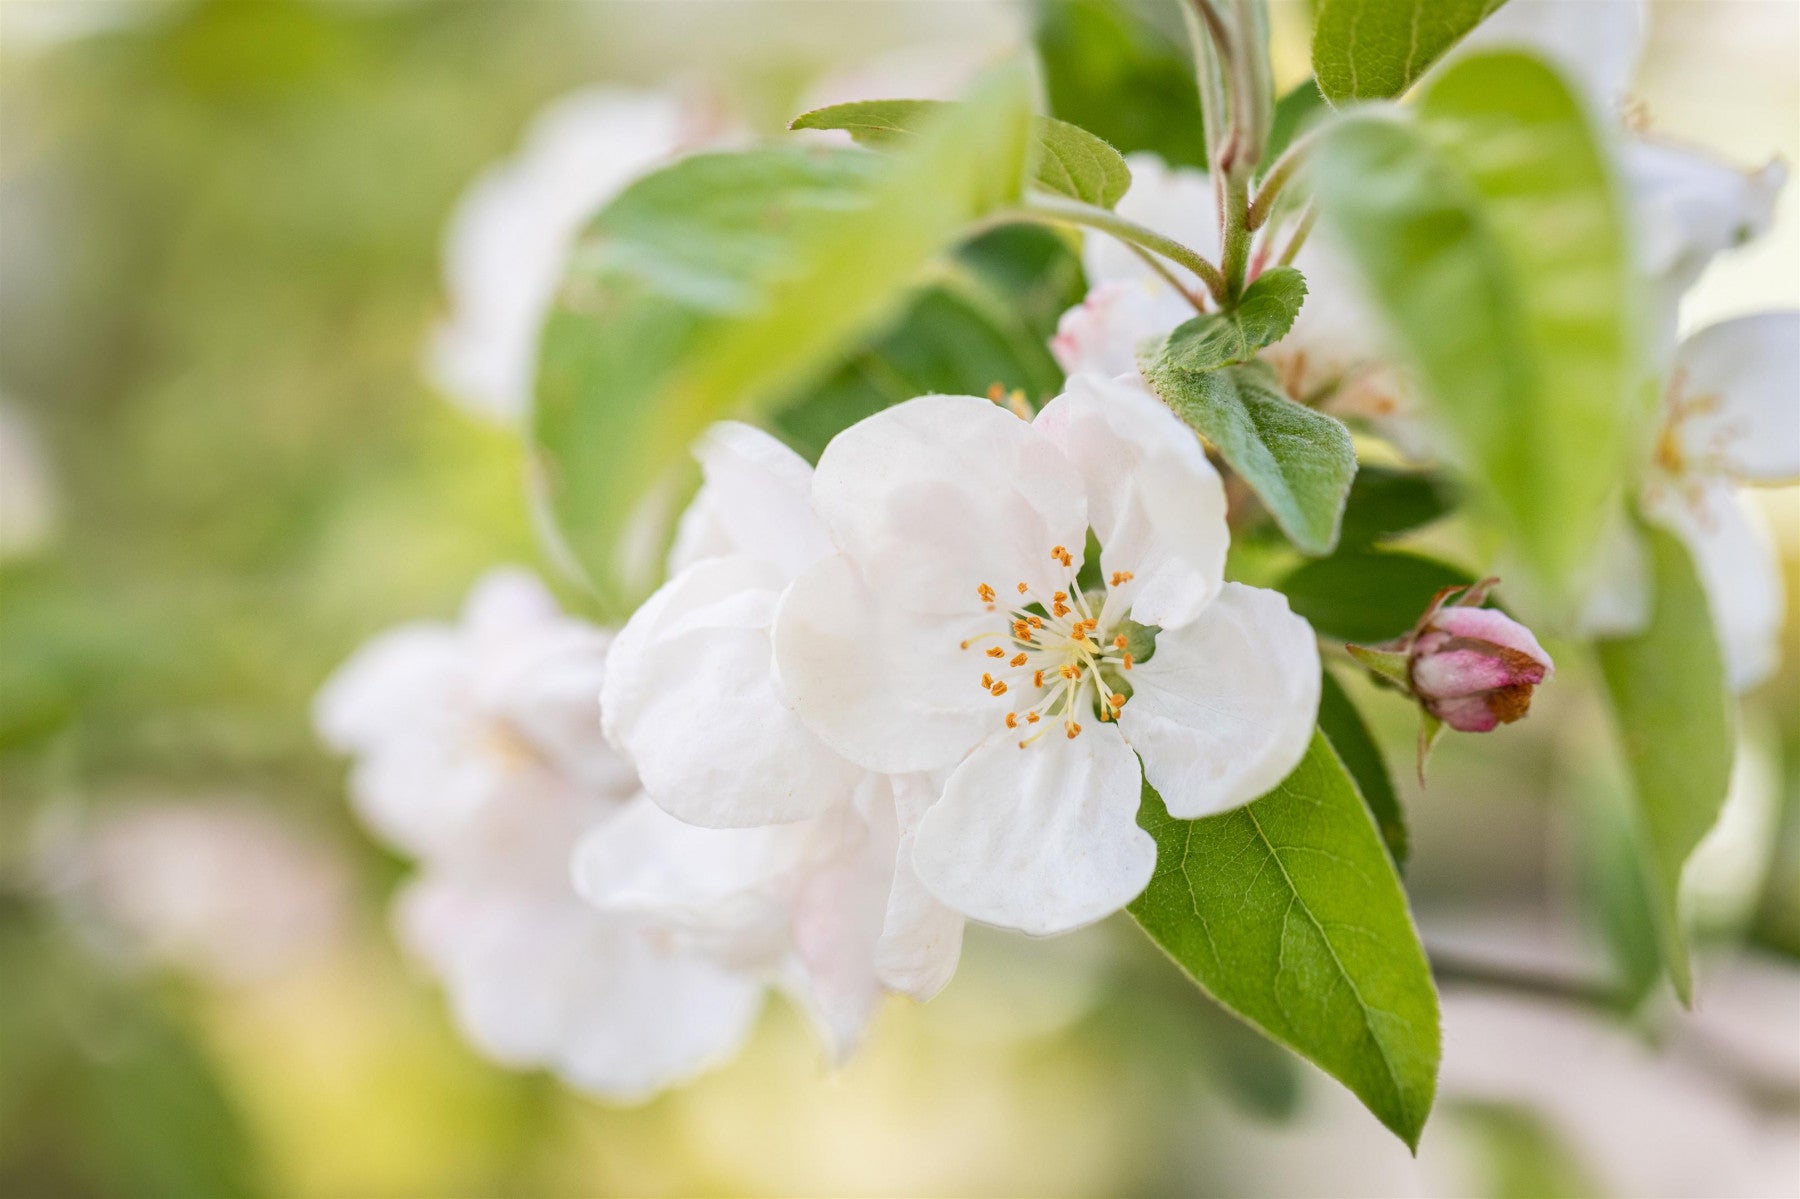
{"points": [[756, 500], [1225, 707], [1155, 503], [1042, 839], [1740, 568], [1735, 397]]}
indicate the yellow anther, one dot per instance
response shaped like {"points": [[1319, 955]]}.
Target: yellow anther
{"points": [[1018, 660], [1072, 729], [987, 680], [1120, 577], [1117, 700], [998, 689], [1037, 678], [1127, 662], [1035, 622], [1060, 597], [995, 651], [1012, 720], [1062, 555], [1070, 670], [1060, 610], [1023, 588], [1031, 718], [1021, 631], [986, 593], [1119, 642]]}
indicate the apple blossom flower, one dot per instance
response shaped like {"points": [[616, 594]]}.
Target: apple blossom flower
{"points": [[1731, 417], [954, 630], [1475, 668], [479, 751], [691, 698], [509, 238]]}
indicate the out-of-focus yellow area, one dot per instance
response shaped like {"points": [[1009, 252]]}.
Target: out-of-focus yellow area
{"points": [[220, 259]]}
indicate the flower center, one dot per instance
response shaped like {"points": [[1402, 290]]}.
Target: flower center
{"points": [[1056, 651]]}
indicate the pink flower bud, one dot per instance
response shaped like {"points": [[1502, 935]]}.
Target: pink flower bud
{"points": [[1475, 668]]}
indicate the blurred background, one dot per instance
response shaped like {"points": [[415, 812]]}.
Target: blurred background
{"points": [[223, 466]]}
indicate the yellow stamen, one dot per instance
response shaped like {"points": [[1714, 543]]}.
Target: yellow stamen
{"points": [[1012, 720], [1117, 701], [998, 689], [1073, 729], [1120, 577], [986, 593], [1119, 642], [987, 680], [1127, 662], [995, 651], [1037, 678], [1018, 660]]}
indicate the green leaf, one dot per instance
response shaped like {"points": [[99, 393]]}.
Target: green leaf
{"points": [[1674, 716], [1289, 912], [985, 321], [1385, 503], [1367, 595], [1491, 235], [1068, 160], [1121, 70], [1375, 49], [1343, 726], [1263, 315], [719, 285], [1299, 462]]}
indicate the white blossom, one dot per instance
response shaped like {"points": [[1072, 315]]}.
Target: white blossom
{"points": [[479, 751], [508, 241], [950, 632], [814, 880]]}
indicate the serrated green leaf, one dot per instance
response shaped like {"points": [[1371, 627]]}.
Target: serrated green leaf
{"points": [[1121, 69], [1263, 315], [1299, 462], [1067, 159], [1289, 912], [1674, 716], [1385, 503], [1367, 595], [1491, 235], [1376, 49], [985, 321], [721, 284], [1343, 726]]}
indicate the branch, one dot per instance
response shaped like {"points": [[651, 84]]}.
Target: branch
{"points": [[1055, 210], [1449, 966]]}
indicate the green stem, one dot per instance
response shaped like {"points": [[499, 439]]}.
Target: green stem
{"points": [[1277, 178], [1301, 231], [1451, 967], [1235, 259], [1072, 212]]}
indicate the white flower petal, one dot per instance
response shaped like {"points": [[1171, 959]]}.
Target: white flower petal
{"points": [[1225, 707], [921, 939], [1043, 839], [1735, 392], [385, 686], [1177, 202], [935, 496], [1154, 501], [1102, 333], [1596, 43], [890, 691], [1740, 569], [690, 699], [838, 915], [756, 501]]}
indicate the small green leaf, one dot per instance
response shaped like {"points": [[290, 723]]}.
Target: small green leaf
{"points": [[1367, 595], [1299, 462], [1375, 49], [1122, 70], [1289, 912], [1675, 718], [1262, 317], [1491, 234], [1384, 503], [1343, 726], [1067, 159], [722, 284]]}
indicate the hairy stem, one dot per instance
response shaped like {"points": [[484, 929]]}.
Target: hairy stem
{"points": [[1072, 212], [1277, 178], [1235, 259]]}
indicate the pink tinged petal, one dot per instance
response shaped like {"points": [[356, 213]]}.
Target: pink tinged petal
{"points": [[889, 690], [1043, 839], [503, 602], [1101, 334], [1154, 501], [1468, 714], [1456, 673], [1740, 569], [756, 501], [1493, 626], [1735, 399], [936, 496], [1225, 708], [690, 699]]}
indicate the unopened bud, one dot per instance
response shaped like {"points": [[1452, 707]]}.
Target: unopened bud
{"points": [[1475, 668]]}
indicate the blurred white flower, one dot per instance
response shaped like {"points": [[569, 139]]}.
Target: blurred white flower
{"points": [[813, 877], [959, 532], [509, 238], [221, 888], [479, 750], [27, 491]]}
